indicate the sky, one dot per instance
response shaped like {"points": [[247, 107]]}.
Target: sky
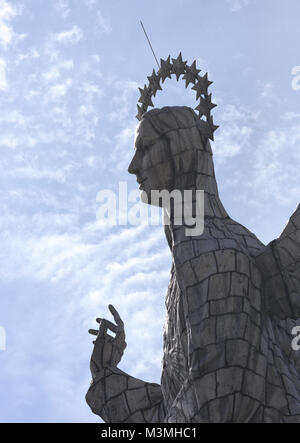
{"points": [[69, 77]]}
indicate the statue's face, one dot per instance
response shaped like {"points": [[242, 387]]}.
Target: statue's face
{"points": [[152, 160]]}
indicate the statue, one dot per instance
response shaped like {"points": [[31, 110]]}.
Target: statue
{"points": [[231, 302]]}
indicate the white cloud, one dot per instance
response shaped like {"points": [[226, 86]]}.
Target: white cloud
{"points": [[9, 141], [3, 80], [51, 75], [103, 24], [235, 132], [276, 165], [7, 13], [237, 5], [67, 64], [54, 73], [90, 3], [32, 54], [37, 174], [268, 90], [124, 147], [291, 115], [14, 117], [123, 100], [63, 8], [72, 36], [59, 90]]}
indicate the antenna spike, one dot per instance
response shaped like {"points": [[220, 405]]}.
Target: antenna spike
{"points": [[149, 43]]}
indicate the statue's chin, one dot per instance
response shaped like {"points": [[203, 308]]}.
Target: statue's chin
{"points": [[147, 199]]}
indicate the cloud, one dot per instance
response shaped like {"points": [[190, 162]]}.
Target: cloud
{"points": [[128, 268], [59, 90], [7, 13], [268, 91], [63, 8], [237, 5], [272, 177], [72, 36], [235, 132], [54, 73], [291, 115], [51, 75], [3, 80], [231, 141], [9, 141], [103, 24], [124, 146], [14, 117], [36, 173], [32, 54], [90, 3]]}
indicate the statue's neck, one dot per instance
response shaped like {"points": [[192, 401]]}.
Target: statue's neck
{"points": [[197, 176], [201, 176]]}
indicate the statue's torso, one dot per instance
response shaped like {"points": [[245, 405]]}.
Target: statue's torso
{"points": [[241, 370]]}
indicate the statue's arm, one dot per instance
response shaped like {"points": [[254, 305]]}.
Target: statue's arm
{"points": [[280, 266], [119, 398], [114, 395]]}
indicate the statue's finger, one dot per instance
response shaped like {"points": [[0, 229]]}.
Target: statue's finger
{"points": [[93, 331], [120, 334], [116, 316], [109, 324], [121, 345], [102, 328], [120, 339]]}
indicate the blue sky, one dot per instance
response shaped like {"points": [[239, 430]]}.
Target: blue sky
{"points": [[69, 77]]}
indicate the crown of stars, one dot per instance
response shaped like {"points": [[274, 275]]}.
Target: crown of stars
{"points": [[191, 75]]}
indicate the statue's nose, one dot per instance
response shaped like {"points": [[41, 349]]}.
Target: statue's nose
{"points": [[134, 166]]}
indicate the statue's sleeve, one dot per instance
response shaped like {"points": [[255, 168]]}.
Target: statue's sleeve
{"points": [[119, 398], [280, 267]]}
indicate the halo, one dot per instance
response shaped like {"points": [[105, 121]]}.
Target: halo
{"points": [[191, 75]]}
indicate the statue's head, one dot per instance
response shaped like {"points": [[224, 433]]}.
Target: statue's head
{"points": [[169, 144]]}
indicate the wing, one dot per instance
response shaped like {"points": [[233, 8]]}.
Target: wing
{"points": [[280, 267]]}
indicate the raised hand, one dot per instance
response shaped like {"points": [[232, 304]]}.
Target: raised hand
{"points": [[107, 350]]}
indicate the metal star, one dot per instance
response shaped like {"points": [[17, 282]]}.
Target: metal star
{"points": [[206, 83], [178, 66], [205, 106], [191, 73], [145, 97], [199, 87], [212, 127], [165, 69], [154, 82]]}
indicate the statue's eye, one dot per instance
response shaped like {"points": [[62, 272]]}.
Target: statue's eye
{"points": [[139, 144], [146, 147]]}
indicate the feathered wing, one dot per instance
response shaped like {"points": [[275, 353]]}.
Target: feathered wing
{"points": [[280, 267]]}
